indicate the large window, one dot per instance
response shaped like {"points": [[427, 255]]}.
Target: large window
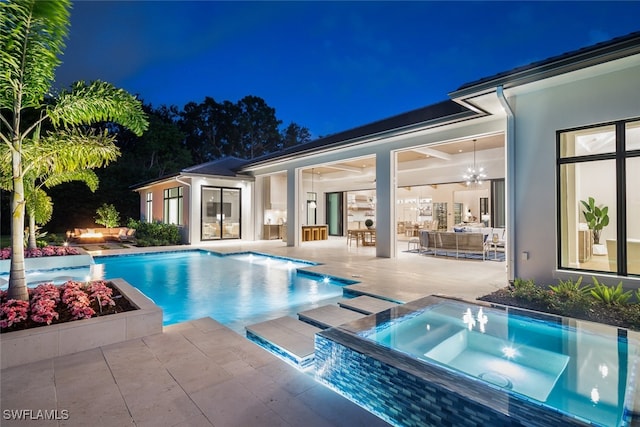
{"points": [[599, 207], [220, 213], [149, 214], [173, 206]]}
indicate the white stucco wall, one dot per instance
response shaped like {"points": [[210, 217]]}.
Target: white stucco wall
{"points": [[538, 116]]}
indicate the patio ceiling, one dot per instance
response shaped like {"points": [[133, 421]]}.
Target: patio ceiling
{"points": [[366, 166]]}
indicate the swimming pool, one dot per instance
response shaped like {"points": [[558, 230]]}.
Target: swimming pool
{"points": [[235, 289], [438, 359]]}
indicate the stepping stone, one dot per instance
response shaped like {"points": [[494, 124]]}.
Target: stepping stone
{"points": [[328, 316], [288, 338], [366, 304]]}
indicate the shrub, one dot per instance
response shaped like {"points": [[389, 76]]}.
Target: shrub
{"points": [[610, 294], [570, 289], [155, 233], [107, 216], [527, 290], [5, 253], [570, 298]]}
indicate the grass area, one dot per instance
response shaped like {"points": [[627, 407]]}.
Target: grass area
{"points": [[5, 241]]}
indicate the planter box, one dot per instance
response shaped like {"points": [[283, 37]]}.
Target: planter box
{"points": [[50, 262], [36, 344]]}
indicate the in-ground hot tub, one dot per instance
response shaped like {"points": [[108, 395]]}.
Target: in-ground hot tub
{"points": [[439, 361]]}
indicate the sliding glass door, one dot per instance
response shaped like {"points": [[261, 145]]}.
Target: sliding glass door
{"points": [[220, 213]]}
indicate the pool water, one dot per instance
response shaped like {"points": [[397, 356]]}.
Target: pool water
{"points": [[581, 369], [236, 290]]}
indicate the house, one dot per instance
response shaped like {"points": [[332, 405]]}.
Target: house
{"points": [[547, 136]]}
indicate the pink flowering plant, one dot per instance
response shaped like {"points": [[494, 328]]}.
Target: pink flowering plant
{"points": [[101, 293], [49, 303], [12, 312], [5, 253], [44, 299], [77, 300]]}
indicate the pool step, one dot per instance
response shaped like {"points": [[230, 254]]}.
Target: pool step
{"points": [[329, 316], [294, 339], [289, 338], [366, 305]]}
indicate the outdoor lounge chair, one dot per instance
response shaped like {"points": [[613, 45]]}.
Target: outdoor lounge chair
{"points": [[127, 235]]}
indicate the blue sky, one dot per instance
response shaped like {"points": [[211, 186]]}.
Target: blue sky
{"points": [[329, 66]]}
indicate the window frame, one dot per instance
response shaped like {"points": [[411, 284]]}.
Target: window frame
{"points": [[620, 157], [167, 197]]}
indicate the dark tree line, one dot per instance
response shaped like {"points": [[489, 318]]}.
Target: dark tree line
{"points": [[175, 139]]}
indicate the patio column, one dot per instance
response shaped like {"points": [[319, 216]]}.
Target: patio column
{"points": [[385, 205], [292, 207]]}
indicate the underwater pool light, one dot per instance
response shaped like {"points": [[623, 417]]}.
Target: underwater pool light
{"points": [[509, 352]]}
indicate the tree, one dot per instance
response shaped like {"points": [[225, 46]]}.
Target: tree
{"points": [[258, 127], [211, 129], [107, 216], [32, 35], [294, 134]]}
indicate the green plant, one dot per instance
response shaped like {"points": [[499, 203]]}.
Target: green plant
{"points": [[107, 216], [155, 233], [597, 217], [570, 298], [569, 289], [368, 223], [39, 235], [527, 290], [609, 294]]}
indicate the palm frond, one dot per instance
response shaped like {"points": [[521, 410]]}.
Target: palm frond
{"points": [[98, 102], [68, 150], [40, 205], [87, 176], [32, 37]]}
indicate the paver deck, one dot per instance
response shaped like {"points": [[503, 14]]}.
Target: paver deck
{"points": [[366, 304], [329, 315]]}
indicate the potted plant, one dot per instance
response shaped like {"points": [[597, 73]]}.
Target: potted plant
{"points": [[597, 218], [368, 223]]}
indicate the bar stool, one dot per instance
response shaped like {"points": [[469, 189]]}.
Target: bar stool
{"points": [[414, 243], [323, 233]]}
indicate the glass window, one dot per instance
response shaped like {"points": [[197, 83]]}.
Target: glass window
{"points": [[633, 136], [584, 234], [149, 213], [599, 231], [587, 142], [173, 206], [633, 216]]}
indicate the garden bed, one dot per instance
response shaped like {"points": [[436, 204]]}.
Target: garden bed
{"points": [[570, 300], [142, 318]]}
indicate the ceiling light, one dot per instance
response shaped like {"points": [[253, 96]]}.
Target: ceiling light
{"points": [[474, 175]]}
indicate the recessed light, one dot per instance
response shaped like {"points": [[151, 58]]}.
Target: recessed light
{"points": [[460, 151]]}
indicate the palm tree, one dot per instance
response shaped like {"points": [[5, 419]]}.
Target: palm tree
{"points": [[32, 35]]}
